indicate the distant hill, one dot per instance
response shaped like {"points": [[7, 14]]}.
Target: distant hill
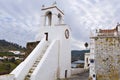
{"points": [[6, 46], [78, 54]]}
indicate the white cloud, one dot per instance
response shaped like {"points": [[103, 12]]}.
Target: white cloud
{"points": [[77, 44], [21, 18]]}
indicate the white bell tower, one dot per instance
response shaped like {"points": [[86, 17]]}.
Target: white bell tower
{"points": [[51, 16], [53, 26], [51, 58]]}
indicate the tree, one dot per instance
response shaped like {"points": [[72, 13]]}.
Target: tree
{"points": [[86, 45]]}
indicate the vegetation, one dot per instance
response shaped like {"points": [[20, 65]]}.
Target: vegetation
{"points": [[6, 54], [7, 66], [10, 54], [5, 46]]}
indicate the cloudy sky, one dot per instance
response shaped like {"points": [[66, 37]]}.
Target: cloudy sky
{"points": [[20, 19]]}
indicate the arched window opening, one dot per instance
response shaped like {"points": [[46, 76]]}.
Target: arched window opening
{"points": [[48, 20], [59, 19]]}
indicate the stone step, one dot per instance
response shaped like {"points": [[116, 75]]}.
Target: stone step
{"points": [[27, 78], [31, 70], [29, 74], [40, 57], [36, 63]]}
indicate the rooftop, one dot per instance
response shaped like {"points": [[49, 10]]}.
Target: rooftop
{"points": [[108, 30]]}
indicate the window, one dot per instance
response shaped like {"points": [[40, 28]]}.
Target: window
{"points": [[46, 36]]}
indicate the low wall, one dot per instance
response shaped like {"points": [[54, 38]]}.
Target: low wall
{"points": [[77, 70], [7, 77]]}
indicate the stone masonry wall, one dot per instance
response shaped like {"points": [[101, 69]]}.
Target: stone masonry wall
{"points": [[30, 46], [107, 58]]}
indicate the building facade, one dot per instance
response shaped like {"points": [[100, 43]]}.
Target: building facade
{"points": [[51, 58], [87, 61], [105, 54]]}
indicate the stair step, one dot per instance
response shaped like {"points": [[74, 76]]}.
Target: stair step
{"points": [[27, 78], [40, 58], [36, 63], [31, 70], [29, 74]]}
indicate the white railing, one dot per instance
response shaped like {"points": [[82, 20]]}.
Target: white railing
{"points": [[47, 68], [21, 71]]}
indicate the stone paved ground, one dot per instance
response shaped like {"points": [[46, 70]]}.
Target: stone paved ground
{"points": [[81, 76]]}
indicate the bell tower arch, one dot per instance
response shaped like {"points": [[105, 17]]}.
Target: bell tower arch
{"points": [[51, 16], [59, 18], [48, 18]]}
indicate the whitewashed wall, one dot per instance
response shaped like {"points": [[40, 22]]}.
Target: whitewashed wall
{"points": [[21, 71], [47, 68], [58, 33], [7, 77], [87, 61]]}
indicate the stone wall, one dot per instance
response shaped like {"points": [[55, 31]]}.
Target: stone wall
{"points": [[107, 58], [30, 46]]}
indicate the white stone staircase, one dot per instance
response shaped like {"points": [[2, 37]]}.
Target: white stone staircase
{"points": [[27, 77]]}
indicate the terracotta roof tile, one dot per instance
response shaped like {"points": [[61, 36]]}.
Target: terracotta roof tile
{"points": [[107, 30]]}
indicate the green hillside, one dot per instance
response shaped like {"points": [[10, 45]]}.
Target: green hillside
{"points": [[78, 54], [6, 46]]}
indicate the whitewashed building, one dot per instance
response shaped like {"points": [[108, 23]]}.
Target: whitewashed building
{"points": [[15, 52], [105, 54], [87, 61], [51, 58]]}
